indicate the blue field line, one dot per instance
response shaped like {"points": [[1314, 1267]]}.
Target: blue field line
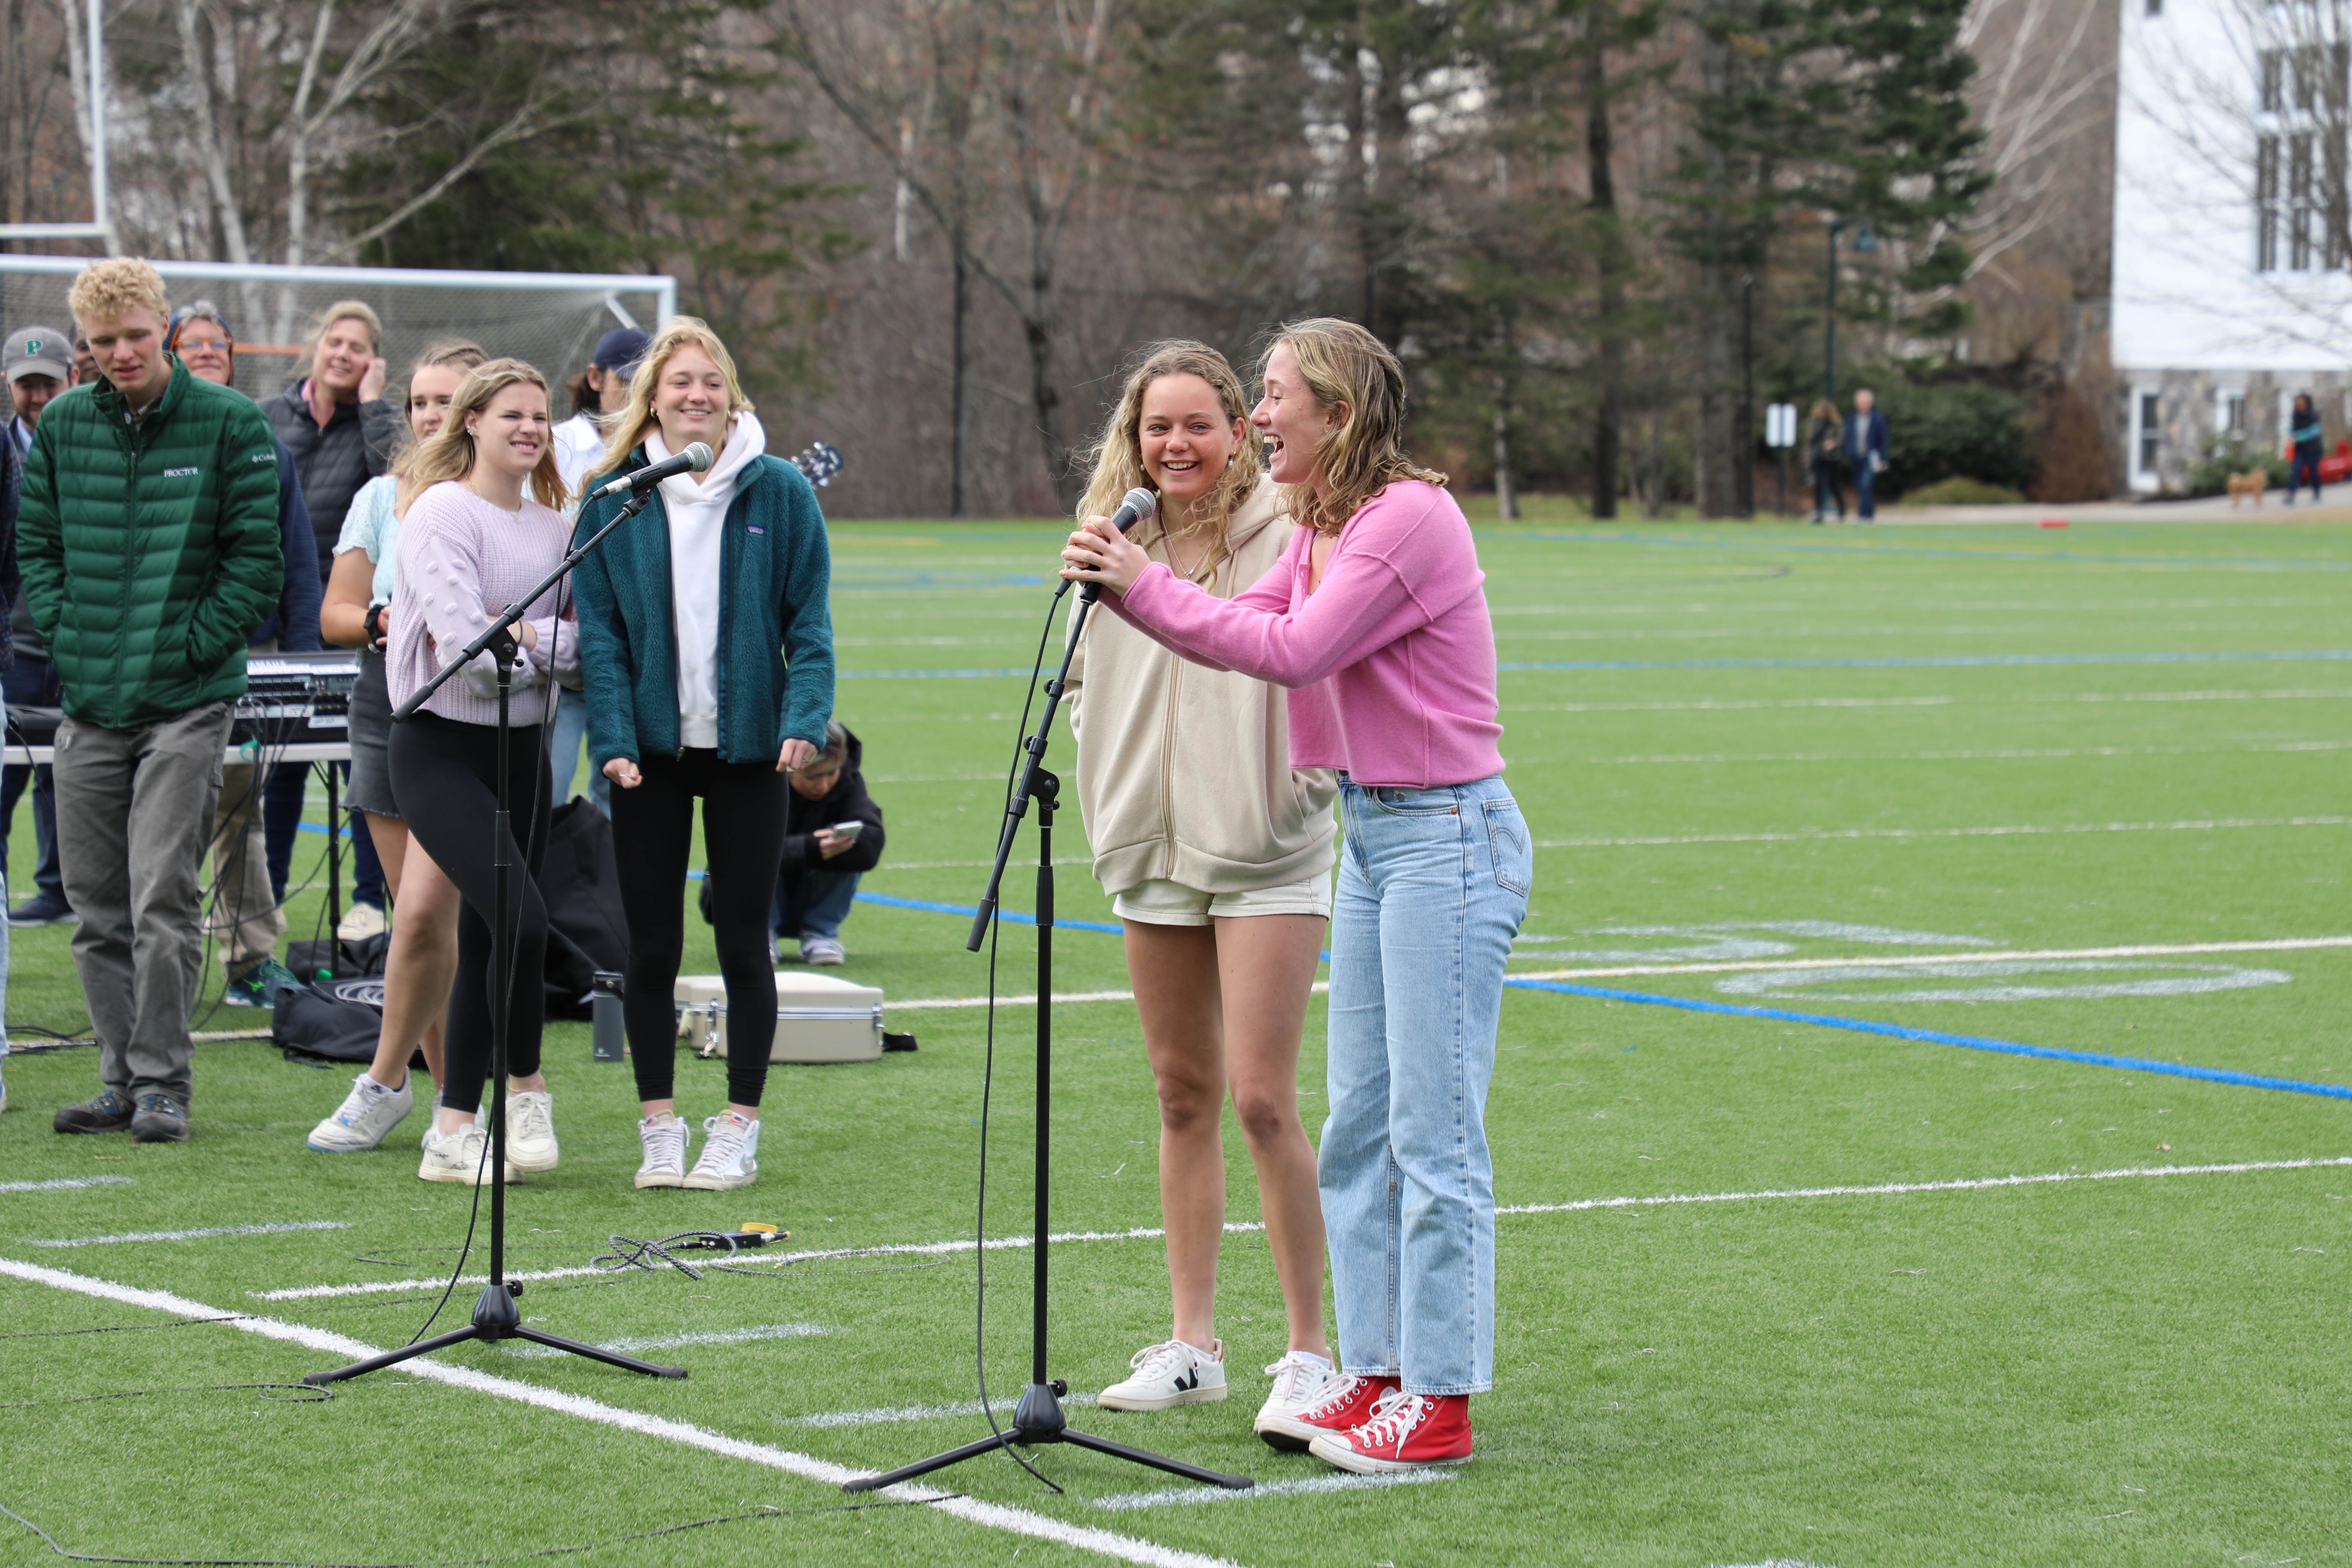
{"points": [[1938, 1038], [1938, 661], [1942, 552]]}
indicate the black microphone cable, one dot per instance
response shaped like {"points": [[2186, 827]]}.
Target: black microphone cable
{"points": [[988, 1080]]}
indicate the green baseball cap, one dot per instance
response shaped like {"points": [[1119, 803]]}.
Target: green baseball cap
{"points": [[38, 351]]}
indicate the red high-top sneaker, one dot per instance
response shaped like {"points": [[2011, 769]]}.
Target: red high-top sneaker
{"points": [[1406, 1432], [1347, 1402]]}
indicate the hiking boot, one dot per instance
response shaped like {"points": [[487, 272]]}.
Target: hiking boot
{"points": [[160, 1119], [110, 1112]]}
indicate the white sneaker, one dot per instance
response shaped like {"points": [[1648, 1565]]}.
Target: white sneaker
{"points": [[431, 1115], [1301, 1379], [663, 1138], [730, 1147], [462, 1156], [359, 922], [1169, 1375], [365, 1119], [531, 1131], [822, 951]]}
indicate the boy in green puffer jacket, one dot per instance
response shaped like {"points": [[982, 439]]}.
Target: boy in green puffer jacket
{"points": [[148, 540]]}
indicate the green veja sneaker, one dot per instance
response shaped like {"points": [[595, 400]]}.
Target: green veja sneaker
{"points": [[259, 985]]}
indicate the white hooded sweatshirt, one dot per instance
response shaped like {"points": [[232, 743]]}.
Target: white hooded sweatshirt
{"points": [[696, 514]]}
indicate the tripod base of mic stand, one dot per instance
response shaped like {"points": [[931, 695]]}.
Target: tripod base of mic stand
{"points": [[1038, 1421], [494, 1317]]}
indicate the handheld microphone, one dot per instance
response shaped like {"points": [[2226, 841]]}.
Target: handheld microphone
{"points": [[1133, 507], [696, 459]]}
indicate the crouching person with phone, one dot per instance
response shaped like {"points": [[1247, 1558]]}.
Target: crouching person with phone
{"points": [[834, 834]]}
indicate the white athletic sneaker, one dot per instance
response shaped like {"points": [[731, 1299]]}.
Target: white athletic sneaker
{"points": [[663, 1138], [1170, 1375], [1301, 1380], [822, 951], [531, 1131], [431, 1115], [362, 922], [462, 1156], [365, 1119], [730, 1147]]}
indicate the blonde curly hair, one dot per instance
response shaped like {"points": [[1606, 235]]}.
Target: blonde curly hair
{"points": [[105, 290], [1118, 454], [1350, 372]]}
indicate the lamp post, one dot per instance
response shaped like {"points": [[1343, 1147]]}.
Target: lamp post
{"points": [[1864, 242]]}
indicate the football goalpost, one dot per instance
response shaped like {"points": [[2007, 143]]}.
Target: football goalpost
{"points": [[551, 320]]}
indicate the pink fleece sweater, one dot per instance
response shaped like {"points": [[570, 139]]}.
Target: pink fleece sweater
{"points": [[1390, 663]]}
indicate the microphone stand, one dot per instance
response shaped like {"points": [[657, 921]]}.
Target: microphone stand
{"points": [[1038, 1419], [496, 1316]]}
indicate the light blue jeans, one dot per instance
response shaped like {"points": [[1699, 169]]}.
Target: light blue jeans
{"points": [[571, 727], [1433, 887]]}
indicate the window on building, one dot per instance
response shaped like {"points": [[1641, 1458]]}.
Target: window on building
{"points": [[2273, 72], [2266, 205], [2308, 76], [2230, 411], [2155, 7], [2151, 431]]}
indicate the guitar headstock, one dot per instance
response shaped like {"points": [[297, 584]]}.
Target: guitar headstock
{"points": [[818, 463]]}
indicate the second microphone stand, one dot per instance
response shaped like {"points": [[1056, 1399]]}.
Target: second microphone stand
{"points": [[1038, 1419], [495, 1317]]}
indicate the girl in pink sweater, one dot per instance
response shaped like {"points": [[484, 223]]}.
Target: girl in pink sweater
{"points": [[1375, 618]]}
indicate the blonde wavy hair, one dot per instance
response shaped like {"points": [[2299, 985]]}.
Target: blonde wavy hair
{"points": [[449, 454], [632, 423], [1350, 370], [106, 290], [456, 355], [1118, 455]]}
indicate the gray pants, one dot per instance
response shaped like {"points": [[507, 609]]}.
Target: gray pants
{"points": [[135, 812]]}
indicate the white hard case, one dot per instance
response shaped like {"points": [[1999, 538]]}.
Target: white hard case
{"points": [[819, 1017]]}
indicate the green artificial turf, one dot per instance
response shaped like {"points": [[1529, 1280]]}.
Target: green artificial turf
{"points": [[1734, 744]]}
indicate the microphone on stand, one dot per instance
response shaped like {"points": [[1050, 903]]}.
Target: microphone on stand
{"points": [[696, 459], [1133, 507]]}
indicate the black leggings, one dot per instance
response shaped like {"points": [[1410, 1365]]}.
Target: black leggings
{"points": [[445, 777], [743, 844]]}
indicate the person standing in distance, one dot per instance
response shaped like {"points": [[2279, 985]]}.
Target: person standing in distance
{"points": [[708, 643], [485, 527], [1866, 445], [148, 544], [1376, 619], [421, 962], [12, 484], [598, 395], [343, 431], [38, 364], [246, 914], [1218, 854]]}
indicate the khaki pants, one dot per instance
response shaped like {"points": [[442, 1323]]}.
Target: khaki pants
{"points": [[245, 916], [134, 810]]}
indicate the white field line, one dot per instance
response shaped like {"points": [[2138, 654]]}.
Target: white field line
{"points": [[1890, 1189], [198, 1234], [680, 1342], [201, 1035], [1125, 1501], [996, 1516], [832, 1418], [1811, 835], [1984, 755], [2152, 950], [1246, 1227], [59, 1184], [1975, 955]]}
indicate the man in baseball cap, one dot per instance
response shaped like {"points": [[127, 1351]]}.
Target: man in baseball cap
{"points": [[599, 393], [37, 363]]}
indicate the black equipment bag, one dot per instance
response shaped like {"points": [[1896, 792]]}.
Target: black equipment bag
{"points": [[329, 1021], [587, 931]]}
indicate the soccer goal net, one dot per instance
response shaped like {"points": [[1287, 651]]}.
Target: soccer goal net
{"points": [[551, 320]]}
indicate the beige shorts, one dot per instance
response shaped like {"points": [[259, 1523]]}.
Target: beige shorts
{"points": [[1162, 904]]}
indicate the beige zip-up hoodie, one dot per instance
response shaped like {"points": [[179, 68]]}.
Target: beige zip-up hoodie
{"points": [[1184, 772]]}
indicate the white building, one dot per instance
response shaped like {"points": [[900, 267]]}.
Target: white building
{"points": [[2231, 289]]}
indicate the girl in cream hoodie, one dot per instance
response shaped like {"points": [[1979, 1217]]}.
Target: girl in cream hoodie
{"points": [[1220, 855]]}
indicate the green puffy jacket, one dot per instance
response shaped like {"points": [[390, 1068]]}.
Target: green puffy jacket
{"points": [[150, 549]]}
